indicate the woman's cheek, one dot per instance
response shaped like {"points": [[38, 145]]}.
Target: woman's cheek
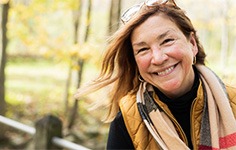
{"points": [[143, 63]]}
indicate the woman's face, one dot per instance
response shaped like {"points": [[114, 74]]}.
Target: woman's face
{"points": [[164, 55]]}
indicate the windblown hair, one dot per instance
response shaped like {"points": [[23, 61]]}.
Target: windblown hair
{"points": [[119, 68]]}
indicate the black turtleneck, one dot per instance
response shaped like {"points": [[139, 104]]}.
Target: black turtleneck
{"points": [[180, 107]]}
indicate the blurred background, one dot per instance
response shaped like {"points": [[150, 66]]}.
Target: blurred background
{"points": [[49, 48]]}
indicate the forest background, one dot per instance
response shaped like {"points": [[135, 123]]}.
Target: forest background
{"points": [[49, 48]]}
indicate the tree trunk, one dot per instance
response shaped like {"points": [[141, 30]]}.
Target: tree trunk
{"points": [[76, 17], [76, 21], [114, 16], [233, 52], [88, 21], [67, 89], [80, 62], [74, 113], [224, 36], [3, 58]]}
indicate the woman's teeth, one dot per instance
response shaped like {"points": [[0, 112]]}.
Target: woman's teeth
{"points": [[168, 70]]}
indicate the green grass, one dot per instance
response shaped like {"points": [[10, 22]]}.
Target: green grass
{"points": [[36, 84]]}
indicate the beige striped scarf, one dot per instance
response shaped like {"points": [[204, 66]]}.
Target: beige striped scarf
{"points": [[218, 126]]}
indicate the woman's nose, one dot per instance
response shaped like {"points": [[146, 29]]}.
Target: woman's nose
{"points": [[158, 56]]}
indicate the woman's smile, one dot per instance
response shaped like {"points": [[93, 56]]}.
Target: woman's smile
{"points": [[166, 71]]}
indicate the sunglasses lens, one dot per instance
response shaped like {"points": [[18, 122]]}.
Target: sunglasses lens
{"points": [[127, 15]]}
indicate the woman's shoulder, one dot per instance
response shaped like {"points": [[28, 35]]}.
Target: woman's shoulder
{"points": [[128, 100], [128, 107]]}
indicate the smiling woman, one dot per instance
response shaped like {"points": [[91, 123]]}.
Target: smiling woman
{"points": [[163, 96], [164, 55]]}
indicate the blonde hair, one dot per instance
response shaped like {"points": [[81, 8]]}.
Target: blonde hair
{"points": [[119, 68]]}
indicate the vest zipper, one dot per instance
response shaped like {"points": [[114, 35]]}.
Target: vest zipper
{"points": [[192, 122]]}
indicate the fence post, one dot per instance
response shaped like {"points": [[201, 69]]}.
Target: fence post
{"points": [[47, 128]]}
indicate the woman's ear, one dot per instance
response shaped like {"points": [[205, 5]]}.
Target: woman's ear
{"points": [[193, 43]]}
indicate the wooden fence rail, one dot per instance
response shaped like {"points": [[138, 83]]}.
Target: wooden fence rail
{"points": [[46, 135]]}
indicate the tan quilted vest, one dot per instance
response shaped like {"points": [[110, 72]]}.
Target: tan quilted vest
{"points": [[137, 130]]}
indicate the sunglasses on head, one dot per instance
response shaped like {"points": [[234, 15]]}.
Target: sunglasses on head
{"points": [[129, 13]]}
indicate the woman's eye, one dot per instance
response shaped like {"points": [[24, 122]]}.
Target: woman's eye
{"points": [[141, 50], [167, 41]]}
